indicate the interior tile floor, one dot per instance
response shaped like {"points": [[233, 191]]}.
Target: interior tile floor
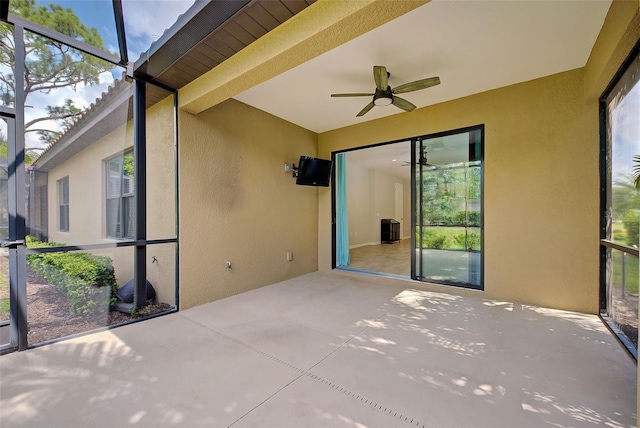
{"points": [[331, 349], [386, 258]]}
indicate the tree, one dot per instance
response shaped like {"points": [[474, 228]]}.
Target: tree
{"points": [[29, 156], [636, 172], [624, 196], [49, 64]]}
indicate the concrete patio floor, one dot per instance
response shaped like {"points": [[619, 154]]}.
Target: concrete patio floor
{"points": [[331, 349]]}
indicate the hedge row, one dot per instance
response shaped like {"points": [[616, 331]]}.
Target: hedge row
{"points": [[87, 280]]}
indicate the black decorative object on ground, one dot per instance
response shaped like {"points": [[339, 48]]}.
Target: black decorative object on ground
{"points": [[389, 231]]}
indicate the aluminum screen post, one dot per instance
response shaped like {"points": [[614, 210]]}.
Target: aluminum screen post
{"points": [[140, 167]]}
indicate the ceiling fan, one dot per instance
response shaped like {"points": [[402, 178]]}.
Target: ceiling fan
{"points": [[422, 161], [385, 95]]}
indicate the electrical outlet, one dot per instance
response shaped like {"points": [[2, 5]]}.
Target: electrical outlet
{"points": [[289, 256]]}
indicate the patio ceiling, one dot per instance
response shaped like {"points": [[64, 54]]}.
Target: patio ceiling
{"points": [[472, 46]]}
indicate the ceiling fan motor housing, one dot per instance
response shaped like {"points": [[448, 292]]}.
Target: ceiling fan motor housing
{"points": [[383, 98]]}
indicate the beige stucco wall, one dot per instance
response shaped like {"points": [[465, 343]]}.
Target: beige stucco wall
{"points": [[541, 185], [237, 204], [619, 33], [86, 173]]}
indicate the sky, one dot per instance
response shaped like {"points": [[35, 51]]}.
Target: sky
{"points": [[145, 21], [625, 133]]}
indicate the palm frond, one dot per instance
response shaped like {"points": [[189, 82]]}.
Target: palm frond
{"points": [[636, 172]]}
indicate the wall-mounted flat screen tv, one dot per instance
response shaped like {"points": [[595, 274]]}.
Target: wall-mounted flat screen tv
{"points": [[314, 172]]}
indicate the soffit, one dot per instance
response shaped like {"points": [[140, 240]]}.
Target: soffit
{"points": [[199, 42]]}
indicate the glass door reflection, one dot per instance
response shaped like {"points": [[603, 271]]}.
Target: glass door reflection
{"points": [[448, 209]]}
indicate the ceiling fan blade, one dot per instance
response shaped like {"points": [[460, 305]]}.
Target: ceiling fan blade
{"points": [[403, 104], [417, 85], [381, 77], [365, 109], [352, 95]]}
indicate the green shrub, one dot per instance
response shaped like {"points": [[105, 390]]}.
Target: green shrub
{"points": [[460, 217], [461, 240], [4, 309], [620, 235], [468, 241], [468, 218], [631, 221], [433, 239], [473, 218], [473, 241], [87, 280]]}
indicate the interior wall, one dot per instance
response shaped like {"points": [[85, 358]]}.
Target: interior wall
{"points": [[384, 201], [406, 224], [371, 198], [358, 204], [541, 185], [237, 204]]}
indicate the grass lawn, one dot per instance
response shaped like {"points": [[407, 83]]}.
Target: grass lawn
{"points": [[631, 268], [447, 236], [4, 297]]}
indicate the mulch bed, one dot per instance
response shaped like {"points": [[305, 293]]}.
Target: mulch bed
{"points": [[49, 315]]}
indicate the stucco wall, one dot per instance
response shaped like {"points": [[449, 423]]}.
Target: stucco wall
{"points": [[237, 204], [541, 185], [87, 223]]}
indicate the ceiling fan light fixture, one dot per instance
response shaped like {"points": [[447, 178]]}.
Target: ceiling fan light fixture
{"points": [[385, 95], [382, 99]]}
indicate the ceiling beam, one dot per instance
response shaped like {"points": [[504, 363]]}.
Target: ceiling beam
{"points": [[319, 28]]}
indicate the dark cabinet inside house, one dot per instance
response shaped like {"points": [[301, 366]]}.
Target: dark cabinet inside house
{"points": [[389, 231]]}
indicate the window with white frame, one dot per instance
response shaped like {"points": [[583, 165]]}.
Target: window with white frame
{"points": [[63, 205], [120, 196]]}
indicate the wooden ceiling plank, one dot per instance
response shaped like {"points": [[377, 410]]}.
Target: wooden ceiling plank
{"points": [[187, 71], [250, 25], [295, 6], [239, 33], [261, 16], [203, 58], [229, 40], [194, 64], [211, 52], [279, 11], [177, 80], [220, 47]]}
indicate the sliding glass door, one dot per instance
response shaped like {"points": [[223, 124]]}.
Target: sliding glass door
{"points": [[620, 203], [447, 201]]}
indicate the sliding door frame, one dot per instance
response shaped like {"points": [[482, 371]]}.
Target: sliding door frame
{"points": [[416, 206], [414, 202]]}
